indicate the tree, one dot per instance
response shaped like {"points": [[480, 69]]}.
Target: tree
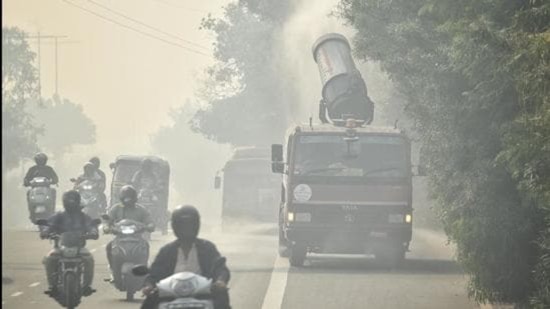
{"points": [[244, 96], [19, 85], [64, 124], [476, 75]]}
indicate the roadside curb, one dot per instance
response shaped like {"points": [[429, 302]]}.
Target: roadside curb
{"points": [[495, 306]]}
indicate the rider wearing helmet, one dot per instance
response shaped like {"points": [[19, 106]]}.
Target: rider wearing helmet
{"points": [[90, 173], [188, 253], [103, 183], [126, 209], [70, 220], [145, 177], [41, 170]]}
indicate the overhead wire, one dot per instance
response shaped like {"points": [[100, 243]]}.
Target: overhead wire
{"points": [[147, 25], [134, 29]]}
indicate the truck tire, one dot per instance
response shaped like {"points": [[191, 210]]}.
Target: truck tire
{"points": [[284, 250], [298, 255], [392, 258]]}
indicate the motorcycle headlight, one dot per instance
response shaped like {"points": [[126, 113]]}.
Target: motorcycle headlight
{"points": [[408, 218], [87, 187]]}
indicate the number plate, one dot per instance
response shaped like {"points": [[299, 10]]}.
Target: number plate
{"points": [[40, 209]]}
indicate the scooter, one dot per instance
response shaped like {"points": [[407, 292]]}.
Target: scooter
{"points": [[40, 199], [89, 198], [181, 290], [129, 249], [70, 268]]}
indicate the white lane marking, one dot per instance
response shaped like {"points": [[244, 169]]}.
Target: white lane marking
{"points": [[16, 294], [93, 250], [277, 285], [32, 285]]}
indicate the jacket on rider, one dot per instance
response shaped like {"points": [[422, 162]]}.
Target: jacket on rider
{"points": [[40, 171]]}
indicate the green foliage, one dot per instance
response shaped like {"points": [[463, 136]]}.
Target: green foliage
{"points": [[19, 85], [55, 116], [243, 89], [476, 76]]}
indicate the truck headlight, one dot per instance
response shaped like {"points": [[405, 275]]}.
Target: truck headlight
{"points": [[408, 218], [290, 216], [395, 218]]}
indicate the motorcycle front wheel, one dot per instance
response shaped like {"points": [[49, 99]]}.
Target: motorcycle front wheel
{"points": [[72, 297]]}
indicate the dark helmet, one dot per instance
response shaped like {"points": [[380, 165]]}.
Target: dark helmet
{"points": [[146, 164], [128, 195], [41, 158], [71, 201], [186, 222], [89, 168], [95, 161]]}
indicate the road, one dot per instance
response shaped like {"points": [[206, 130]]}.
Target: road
{"points": [[428, 279]]}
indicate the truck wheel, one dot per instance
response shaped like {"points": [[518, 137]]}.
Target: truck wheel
{"points": [[392, 258], [284, 250], [298, 256]]}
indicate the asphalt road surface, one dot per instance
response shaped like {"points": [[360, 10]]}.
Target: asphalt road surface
{"points": [[428, 278]]}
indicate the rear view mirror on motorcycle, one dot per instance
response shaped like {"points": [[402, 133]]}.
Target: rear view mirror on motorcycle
{"points": [[140, 270], [42, 222]]}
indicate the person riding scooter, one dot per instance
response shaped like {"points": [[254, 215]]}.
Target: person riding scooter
{"points": [[41, 170], [95, 161], [188, 253], [127, 209], [70, 220]]}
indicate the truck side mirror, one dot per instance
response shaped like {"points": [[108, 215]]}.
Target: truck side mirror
{"points": [[217, 182], [277, 164]]}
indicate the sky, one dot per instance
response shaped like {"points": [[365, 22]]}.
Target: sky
{"points": [[126, 82]]}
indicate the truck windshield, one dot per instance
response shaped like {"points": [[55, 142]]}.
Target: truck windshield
{"points": [[369, 156]]}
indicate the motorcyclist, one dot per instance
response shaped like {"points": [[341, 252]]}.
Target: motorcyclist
{"points": [[41, 170], [91, 174], [95, 161], [191, 254], [127, 209], [145, 177], [70, 220]]}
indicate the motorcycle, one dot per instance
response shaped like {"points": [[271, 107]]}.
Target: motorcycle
{"points": [[89, 198], [182, 290], [70, 268], [149, 199], [129, 248], [41, 199]]}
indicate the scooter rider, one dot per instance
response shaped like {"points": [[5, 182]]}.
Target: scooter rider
{"points": [[70, 220], [188, 253], [41, 170], [91, 174], [95, 161], [127, 209]]}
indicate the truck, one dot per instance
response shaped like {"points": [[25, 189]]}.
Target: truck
{"points": [[250, 191], [347, 185]]}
